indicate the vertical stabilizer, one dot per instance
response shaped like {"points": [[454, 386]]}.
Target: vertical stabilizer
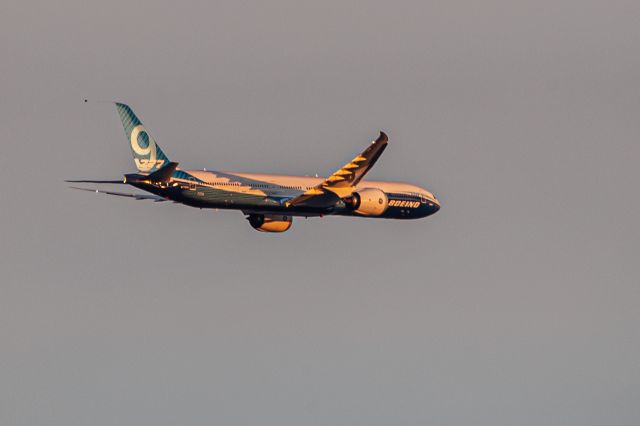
{"points": [[147, 155]]}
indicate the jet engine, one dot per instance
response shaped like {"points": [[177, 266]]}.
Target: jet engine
{"points": [[368, 202], [270, 222]]}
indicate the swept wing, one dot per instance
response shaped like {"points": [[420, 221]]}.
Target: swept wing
{"points": [[342, 182]]}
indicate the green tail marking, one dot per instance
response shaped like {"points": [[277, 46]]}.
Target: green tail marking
{"points": [[147, 155]]}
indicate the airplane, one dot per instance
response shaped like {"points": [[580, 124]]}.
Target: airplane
{"points": [[269, 201]]}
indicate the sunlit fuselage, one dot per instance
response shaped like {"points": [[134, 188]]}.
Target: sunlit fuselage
{"points": [[268, 193]]}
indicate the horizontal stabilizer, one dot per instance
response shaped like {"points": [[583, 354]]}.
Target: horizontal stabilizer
{"points": [[155, 198], [96, 181]]}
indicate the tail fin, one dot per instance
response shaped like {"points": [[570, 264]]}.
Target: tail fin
{"points": [[146, 153]]}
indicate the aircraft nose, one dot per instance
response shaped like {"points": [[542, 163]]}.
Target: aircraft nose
{"points": [[432, 201], [436, 205]]}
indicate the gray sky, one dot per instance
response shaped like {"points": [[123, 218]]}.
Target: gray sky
{"points": [[518, 303]]}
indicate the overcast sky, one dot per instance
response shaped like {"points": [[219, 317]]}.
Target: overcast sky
{"points": [[517, 304]]}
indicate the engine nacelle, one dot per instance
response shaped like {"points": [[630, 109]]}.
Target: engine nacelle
{"points": [[270, 222], [368, 202]]}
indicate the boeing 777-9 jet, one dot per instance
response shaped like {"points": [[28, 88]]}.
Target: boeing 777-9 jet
{"points": [[269, 201]]}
